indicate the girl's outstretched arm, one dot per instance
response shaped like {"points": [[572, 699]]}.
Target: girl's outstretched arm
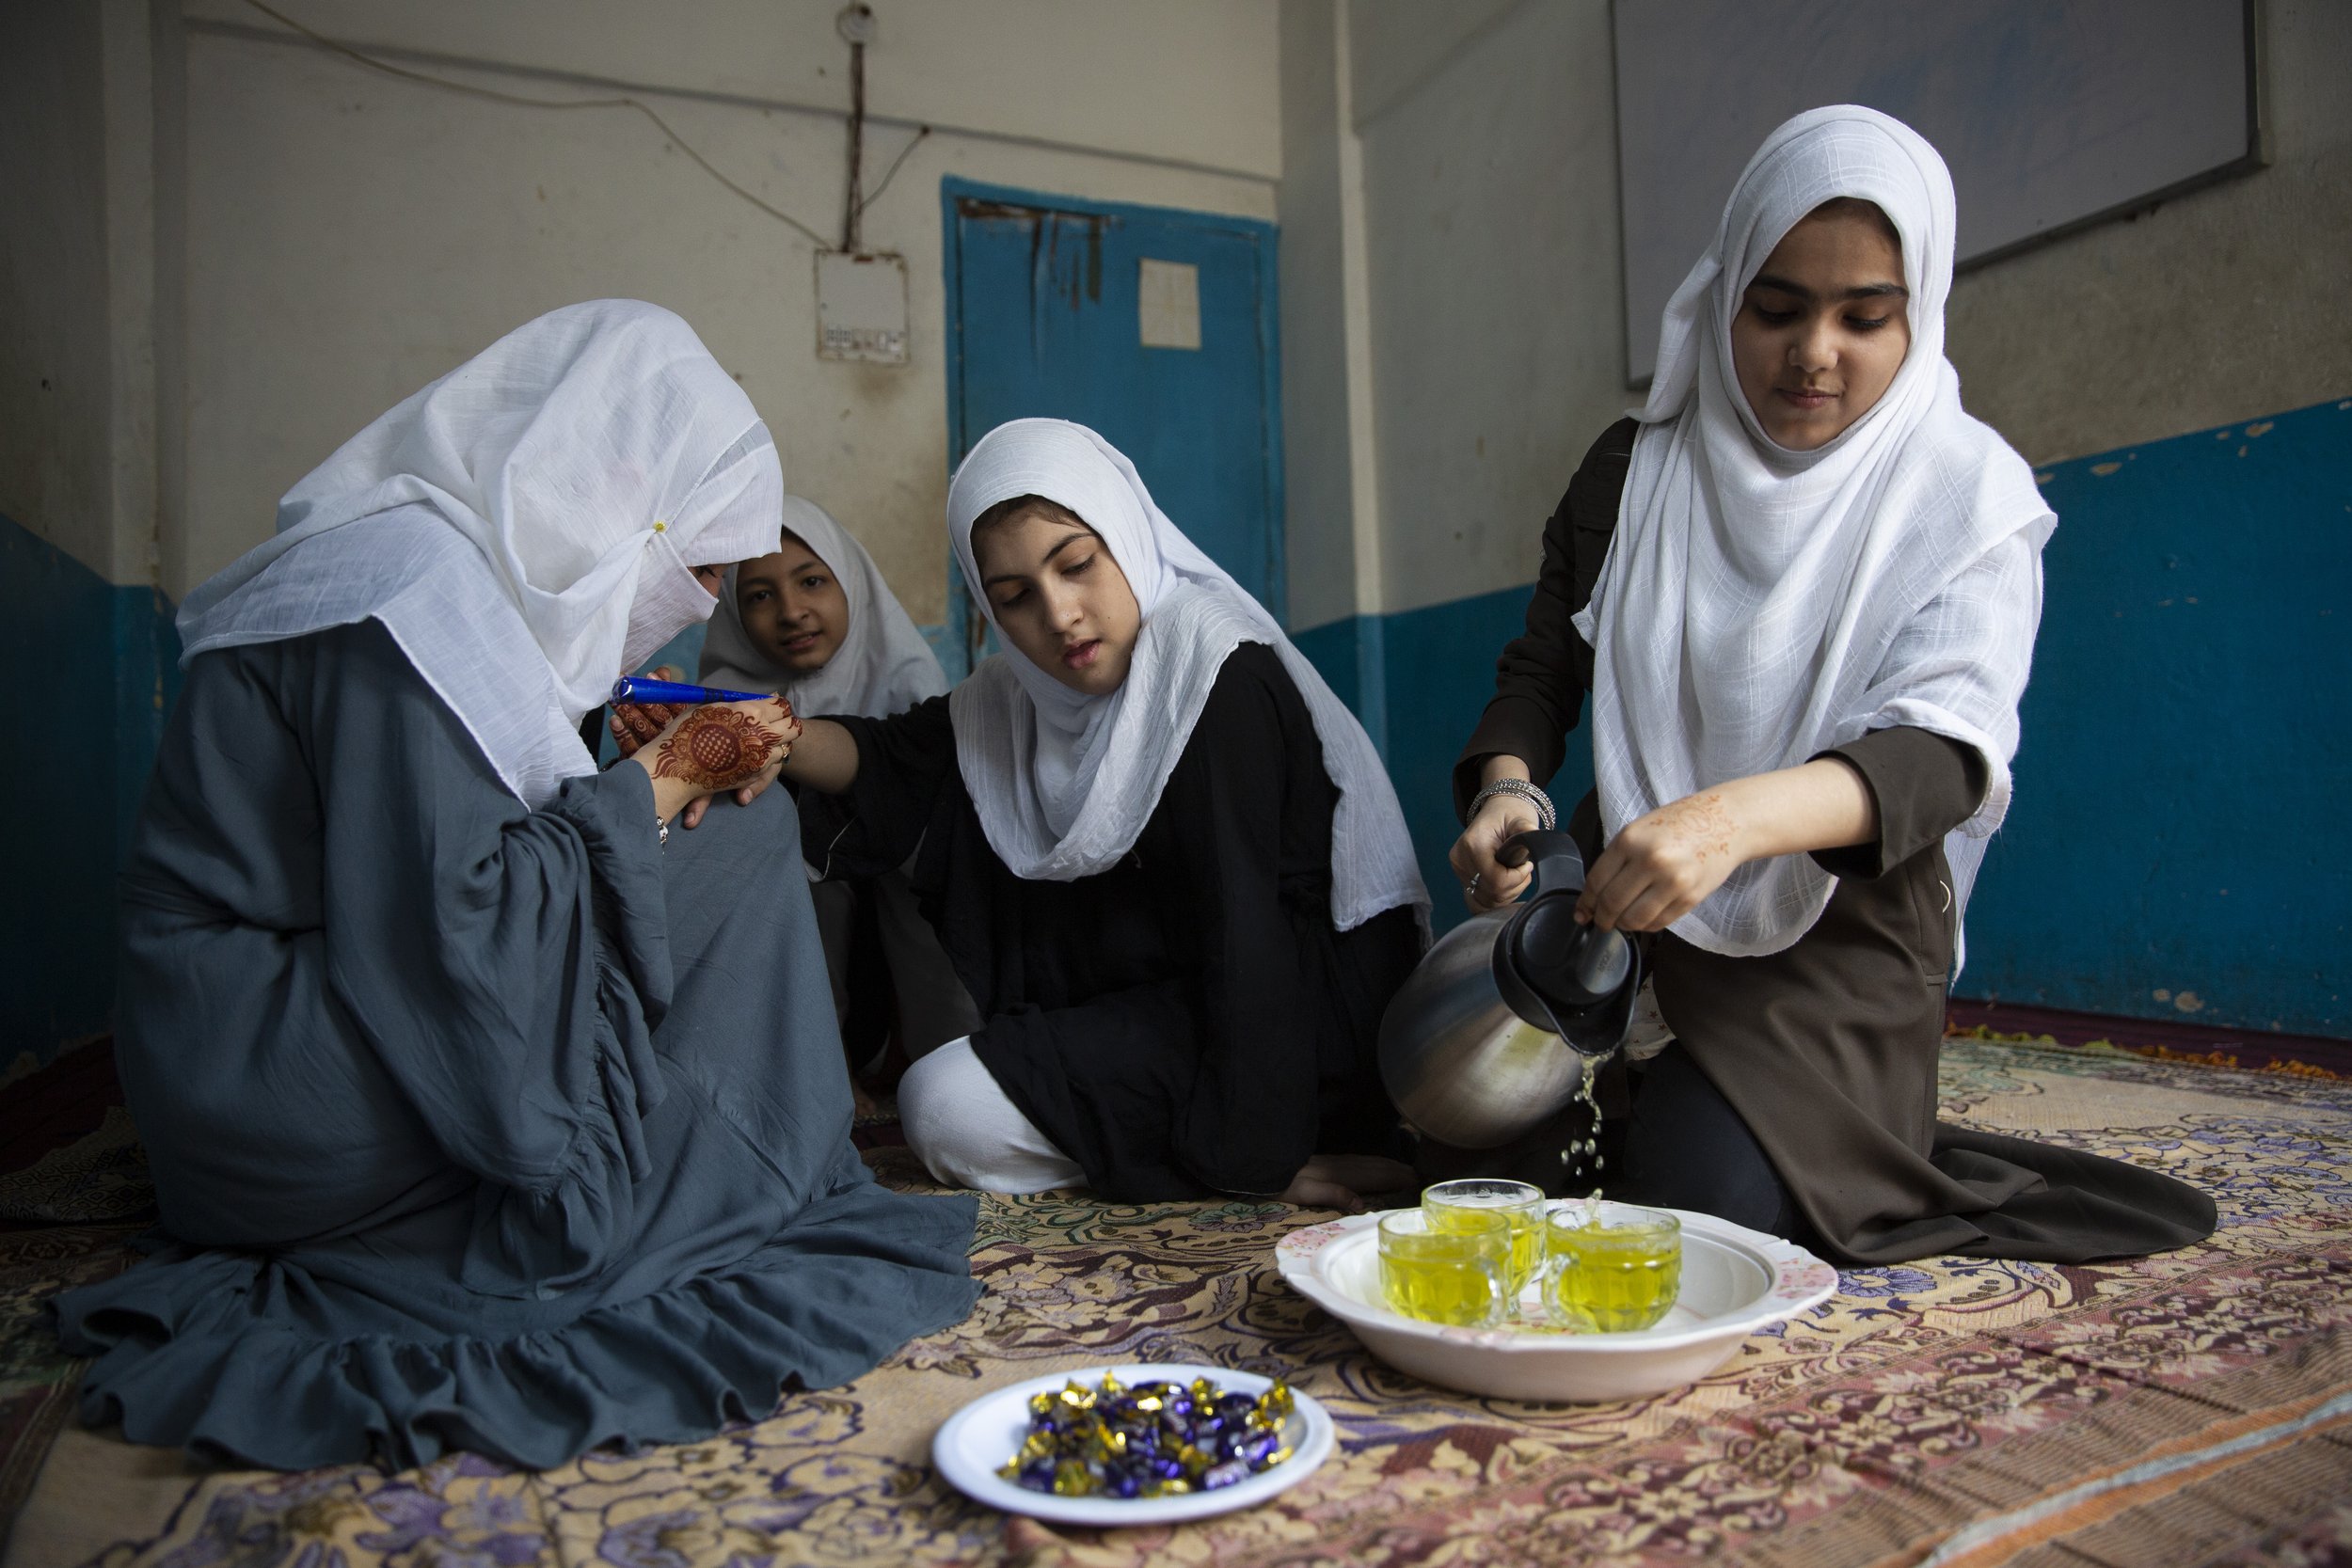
{"points": [[824, 758], [824, 755]]}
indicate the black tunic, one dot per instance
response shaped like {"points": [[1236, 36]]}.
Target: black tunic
{"points": [[1828, 1048], [1188, 1021]]}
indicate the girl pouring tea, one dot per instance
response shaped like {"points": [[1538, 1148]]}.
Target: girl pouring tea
{"points": [[1802, 586]]}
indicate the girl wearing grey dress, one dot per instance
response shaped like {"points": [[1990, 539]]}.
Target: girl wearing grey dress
{"points": [[485, 1111]]}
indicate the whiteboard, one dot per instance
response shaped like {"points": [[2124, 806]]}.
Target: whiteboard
{"points": [[2051, 113]]}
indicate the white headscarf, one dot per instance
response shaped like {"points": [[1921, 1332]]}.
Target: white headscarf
{"points": [[523, 527], [1760, 604], [883, 665], [1064, 781]]}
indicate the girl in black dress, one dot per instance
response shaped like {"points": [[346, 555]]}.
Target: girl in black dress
{"points": [[1164, 858]]}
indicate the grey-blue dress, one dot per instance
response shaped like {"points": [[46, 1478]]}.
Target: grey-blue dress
{"points": [[473, 1126]]}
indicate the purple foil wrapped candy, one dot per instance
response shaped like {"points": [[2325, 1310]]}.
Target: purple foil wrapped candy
{"points": [[1153, 1439]]}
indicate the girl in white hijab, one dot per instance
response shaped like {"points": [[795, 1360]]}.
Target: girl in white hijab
{"points": [[816, 623], [1164, 858], [1802, 586], [485, 1111], [832, 637]]}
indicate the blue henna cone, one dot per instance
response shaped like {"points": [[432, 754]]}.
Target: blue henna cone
{"points": [[637, 688]]}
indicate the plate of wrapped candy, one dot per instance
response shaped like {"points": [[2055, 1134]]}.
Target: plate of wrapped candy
{"points": [[1137, 1443]]}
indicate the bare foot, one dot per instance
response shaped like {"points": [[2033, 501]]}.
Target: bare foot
{"points": [[1336, 1180]]}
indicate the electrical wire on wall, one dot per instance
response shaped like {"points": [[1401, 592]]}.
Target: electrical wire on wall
{"points": [[855, 206]]}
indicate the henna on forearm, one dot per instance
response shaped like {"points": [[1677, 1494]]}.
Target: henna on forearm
{"points": [[717, 748]]}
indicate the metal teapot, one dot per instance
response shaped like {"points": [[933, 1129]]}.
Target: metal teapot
{"points": [[1492, 1033]]}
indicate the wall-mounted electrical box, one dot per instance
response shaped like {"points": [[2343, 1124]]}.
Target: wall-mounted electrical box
{"points": [[862, 307]]}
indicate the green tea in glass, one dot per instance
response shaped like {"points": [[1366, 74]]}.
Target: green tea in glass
{"points": [[1520, 1205], [1458, 1275], [1612, 1269]]}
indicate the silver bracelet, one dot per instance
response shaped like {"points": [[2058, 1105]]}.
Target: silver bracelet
{"points": [[1546, 817]]}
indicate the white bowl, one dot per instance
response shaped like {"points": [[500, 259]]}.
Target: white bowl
{"points": [[1734, 1282]]}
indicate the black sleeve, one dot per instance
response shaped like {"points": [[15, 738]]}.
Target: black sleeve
{"points": [[873, 826], [1249, 1122], [1925, 785], [1543, 675]]}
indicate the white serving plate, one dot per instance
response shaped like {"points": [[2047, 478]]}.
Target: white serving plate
{"points": [[1734, 1282], [974, 1441]]}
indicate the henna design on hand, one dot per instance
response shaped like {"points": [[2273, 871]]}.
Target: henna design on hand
{"points": [[1701, 822], [717, 748]]}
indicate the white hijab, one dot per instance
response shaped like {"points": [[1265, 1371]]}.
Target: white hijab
{"points": [[1760, 604], [883, 665], [1064, 781], [523, 527]]}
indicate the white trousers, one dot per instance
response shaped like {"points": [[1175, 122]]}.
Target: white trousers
{"points": [[967, 1133]]}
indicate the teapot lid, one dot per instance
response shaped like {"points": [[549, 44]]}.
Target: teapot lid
{"points": [[1574, 980]]}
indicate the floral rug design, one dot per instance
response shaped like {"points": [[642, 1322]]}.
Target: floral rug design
{"points": [[2191, 1408]]}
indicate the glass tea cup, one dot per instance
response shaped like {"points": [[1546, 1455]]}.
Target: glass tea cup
{"points": [[1450, 1204], [1459, 1274], [1610, 1270]]}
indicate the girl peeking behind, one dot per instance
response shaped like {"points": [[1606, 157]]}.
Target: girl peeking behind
{"points": [[816, 623]]}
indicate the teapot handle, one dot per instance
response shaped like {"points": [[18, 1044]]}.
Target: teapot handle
{"points": [[1559, 865]]}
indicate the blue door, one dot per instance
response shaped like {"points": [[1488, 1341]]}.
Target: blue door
{"points": [[1154, 326]]}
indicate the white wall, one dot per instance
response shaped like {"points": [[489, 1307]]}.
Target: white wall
{"points": [[1491, 206], [1398, 45], [1193, 83], [1491, 213], [76, 280], [1316, 493], [2222, 305], [337, 238], [351, 236], [1330, 478], [53, 275]]}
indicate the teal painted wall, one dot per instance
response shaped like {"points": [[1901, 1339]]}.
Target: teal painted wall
{"points": [[100, 665], [2179, 845], [1431, 671]]}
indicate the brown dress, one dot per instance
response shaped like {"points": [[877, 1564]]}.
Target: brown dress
{"points": [[1827, 1049]]}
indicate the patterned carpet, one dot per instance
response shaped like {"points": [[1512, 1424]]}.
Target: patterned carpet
{"points": [[2191, 1408]]}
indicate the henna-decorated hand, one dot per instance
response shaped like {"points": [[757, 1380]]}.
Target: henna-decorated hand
{"points": [[1660, 866], [714, 747]]}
